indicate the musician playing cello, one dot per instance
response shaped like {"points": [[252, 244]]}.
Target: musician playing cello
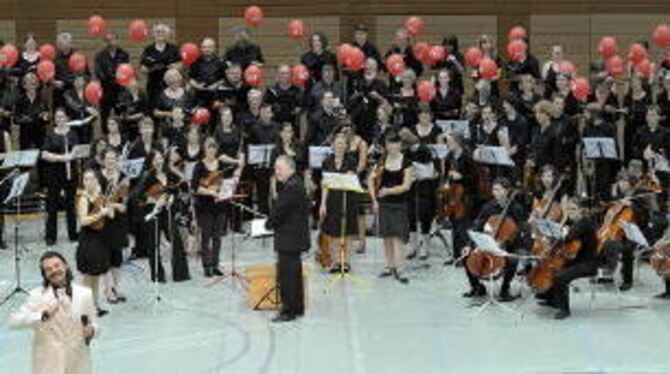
{"points": [[492, 211], [582, 233]]}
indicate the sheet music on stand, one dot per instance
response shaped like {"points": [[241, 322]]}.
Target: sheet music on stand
{"points": [[18, 186], [486, 242], [81, 151], [634, 234], [456, 126], [18, 159], [424, 171], [227, 189], [342, 182], [259, 154], [548, 228], [132, 168], [189, 167], [493, 155], [258, 229], [439, 150], [317, 154], [81, 122], [600, 148], [661, 163]]}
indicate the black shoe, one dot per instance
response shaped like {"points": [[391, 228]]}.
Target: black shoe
{"points": [[449, 262], [119, 298], [283, 318], [399, 277], [3, 244], [347, 268], [335, 269], [625, 286], [547, 303], [74, 238], [476, 292], [542, 296], [411, 255], [506, 297], [562, 314], [216, 272], [50, 242], [101, 312], [665, 295], [423, 257], [386, 273], [208, 272], [604, 280]]}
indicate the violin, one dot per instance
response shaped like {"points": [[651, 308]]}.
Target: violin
{"points": [[97, 205], [541, 277], [504, 230], [452, 201], [212, 179]]}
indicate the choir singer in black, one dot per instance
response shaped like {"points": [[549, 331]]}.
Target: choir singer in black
{"points": [[289, 220]]}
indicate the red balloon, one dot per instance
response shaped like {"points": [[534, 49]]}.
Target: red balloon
{"points": [[47, 52], [516, 33], [93, 92], [581, 88], [46, 70], [299, 75], [661, 36], [516, 50], [200, 116], [395, 64], [426, 91], [253, 75], [614, 66], [295, 29], [189, 53], [473, 56], [420, 51], [344, 53], [253, 16], [414, 26], [351, 57], [487, 68], [138, 30], [607, 47], [436, 54], [97, 26], [125, 74], [77, 62], [644, 68], [9, 55], [637, 52], [567, 67]]}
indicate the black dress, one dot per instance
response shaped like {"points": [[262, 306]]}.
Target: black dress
{"points": [[335, 201], [393, 214], [92, 255]]}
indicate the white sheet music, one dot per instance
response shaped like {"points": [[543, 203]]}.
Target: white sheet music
{"points": [[661, 163], [81, 151], [317, 155], [189, 167], [25, 158], [458, 126], [259, 154], [548, 228], [132, 168], [600, 148], [342, 182], [634, 234], [258, 228], [227, 190], [439, 150], [18, 186], [493, 155], [424, 171], [81, 122], [486, 243]]}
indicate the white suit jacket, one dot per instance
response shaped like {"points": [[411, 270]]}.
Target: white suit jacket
{"points": [[58, 346]]}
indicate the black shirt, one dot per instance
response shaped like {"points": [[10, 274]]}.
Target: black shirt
{"points": [[514, 212], [584, 230], [244, 54], [314, 63], [158, 63], [446, 106], [395, 178], [263, 133], [321, 126], [207, 70], [284, 101], [60, 144], [106, 64], [200, 171], [657, 139]]}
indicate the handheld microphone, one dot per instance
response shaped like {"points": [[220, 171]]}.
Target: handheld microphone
{"points": [[85, 322]]}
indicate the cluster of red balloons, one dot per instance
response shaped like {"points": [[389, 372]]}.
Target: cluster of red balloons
{"points": [[516, 50], [615, 66], [580, 88], [9, 56], [253, 16], [395, 64], [47, 52], [200, 116], [77, 63], [435, 54], [125, 74], [351, 57], [473, 56], [420, 50], [138, 30], [426, 91], [97, 26], [253, 76], [607, 47], [189, 53], [93, 92], [299, 75], [414, 26], [295, 29], [488, 68], [46, 70]]}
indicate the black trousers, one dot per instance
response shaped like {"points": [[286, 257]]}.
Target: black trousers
{"points": [[54, 189], [459, 236], [211, 223], [262, 180], [509, 271], [613, 250], [168, 227], [289, 280], [560, 291]]}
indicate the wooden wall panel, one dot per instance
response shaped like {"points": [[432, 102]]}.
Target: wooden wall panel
{"points": [[572, 32], [277, 47], [627, 29], [91, 45], [8, 31]]}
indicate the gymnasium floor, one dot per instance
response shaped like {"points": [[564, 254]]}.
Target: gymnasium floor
{"points": [[372, 326]]}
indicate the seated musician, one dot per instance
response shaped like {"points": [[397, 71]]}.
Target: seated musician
{"points": [[585, 264], [502, 203], [612, 238]]}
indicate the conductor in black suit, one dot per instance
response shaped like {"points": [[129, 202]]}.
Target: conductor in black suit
{"points": [[290, 222]]}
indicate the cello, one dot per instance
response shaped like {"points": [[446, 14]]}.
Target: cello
{"points": [[541, 277], [503, 229]]}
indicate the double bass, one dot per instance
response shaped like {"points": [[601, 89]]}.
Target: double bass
{"points": [[485, 264]]}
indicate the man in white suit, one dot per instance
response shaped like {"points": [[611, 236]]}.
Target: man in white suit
{"points": [[63, 317]]}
